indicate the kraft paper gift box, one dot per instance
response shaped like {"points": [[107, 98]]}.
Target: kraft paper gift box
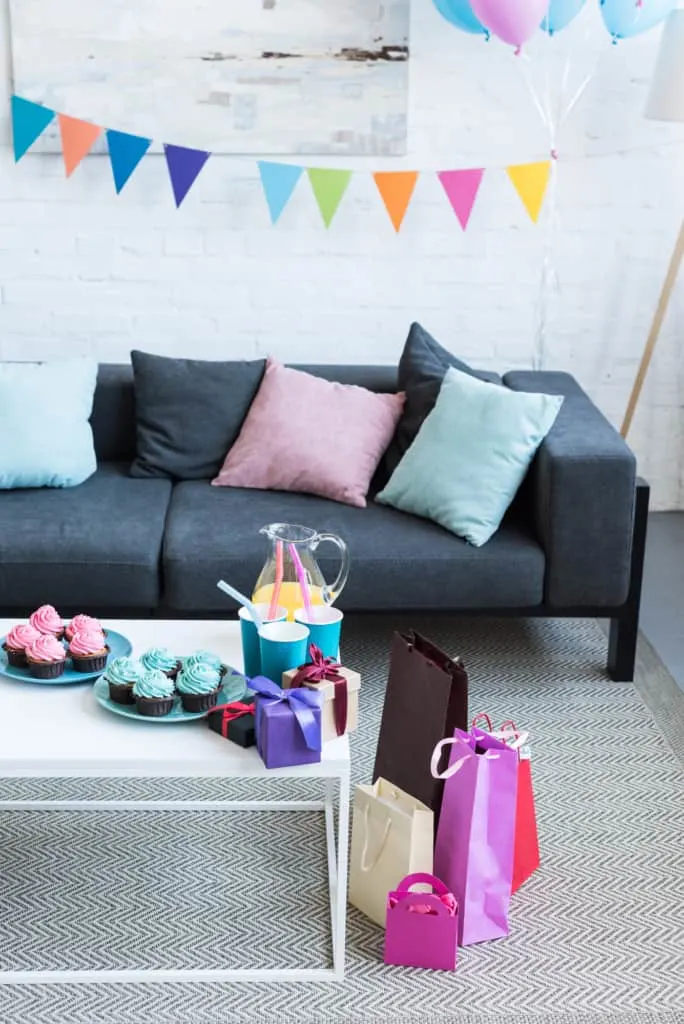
{"points": [[234, 722], [339, 688], [288, 724]]}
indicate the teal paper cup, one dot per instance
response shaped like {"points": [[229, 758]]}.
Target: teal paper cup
{"points": [[251, 653], [283, 645], [325, 626]]}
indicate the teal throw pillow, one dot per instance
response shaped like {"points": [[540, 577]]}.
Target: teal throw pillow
{"points": [[45, 435], [471, 455]]}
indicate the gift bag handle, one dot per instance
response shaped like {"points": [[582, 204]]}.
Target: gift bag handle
{"points": [[417, 899], [505, 734], [483, 716], [423, 878], [436, 757], [365, 866]]}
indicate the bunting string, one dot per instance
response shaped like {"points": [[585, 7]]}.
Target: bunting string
{"points": [[461, 185]]}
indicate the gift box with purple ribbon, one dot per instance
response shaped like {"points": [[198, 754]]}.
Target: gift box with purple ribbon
{"points": [[338, 686], [234, 722], [288, 724]]}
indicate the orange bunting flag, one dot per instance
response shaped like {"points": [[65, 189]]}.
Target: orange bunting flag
{"points": [[396, 189], [78, 138], [530, 181]]}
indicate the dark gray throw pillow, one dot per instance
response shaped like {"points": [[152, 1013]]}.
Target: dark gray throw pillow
{"points": [[188, 413], [422, 367]]}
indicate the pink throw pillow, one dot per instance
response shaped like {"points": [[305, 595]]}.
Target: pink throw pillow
{"points": [[306, 434]]}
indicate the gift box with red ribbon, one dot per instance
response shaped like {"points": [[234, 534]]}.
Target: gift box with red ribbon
{"points": [[234, 722], [338, 686]]}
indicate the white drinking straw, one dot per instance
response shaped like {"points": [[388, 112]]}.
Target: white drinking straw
{"points": [[244, 601]]}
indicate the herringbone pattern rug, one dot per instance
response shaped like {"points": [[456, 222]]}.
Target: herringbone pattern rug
{"points": [[596, 934]]}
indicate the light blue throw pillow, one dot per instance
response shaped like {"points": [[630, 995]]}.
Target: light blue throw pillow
{"points": [[45, 437], [471, 455]]}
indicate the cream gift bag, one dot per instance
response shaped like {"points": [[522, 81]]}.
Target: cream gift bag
{"points": [[392, 836]]}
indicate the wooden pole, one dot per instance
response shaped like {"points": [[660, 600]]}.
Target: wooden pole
{"points": [[660, 312]]}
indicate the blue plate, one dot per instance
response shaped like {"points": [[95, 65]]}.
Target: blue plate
{"points": [[234, 688], [119, 647]]}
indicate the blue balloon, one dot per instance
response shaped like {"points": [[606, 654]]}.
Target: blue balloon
{"points": [[561, 13], [460, 14], [627, 18]]}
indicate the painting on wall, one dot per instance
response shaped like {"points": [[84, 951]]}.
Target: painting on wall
{"points": [[260, 77]]}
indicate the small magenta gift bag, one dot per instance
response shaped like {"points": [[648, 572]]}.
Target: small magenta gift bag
{"points": [[422, 928]]}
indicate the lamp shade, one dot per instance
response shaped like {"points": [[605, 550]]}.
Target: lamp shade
{"points": [[666, 99]]}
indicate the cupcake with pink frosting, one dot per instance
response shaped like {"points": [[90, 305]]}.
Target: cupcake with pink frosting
{"points": [[81, 622], [16, 642], [46, 620], [88, 649], [46, 657]]}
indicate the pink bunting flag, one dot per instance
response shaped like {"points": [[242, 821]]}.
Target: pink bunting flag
{"points": [[461, 188]]}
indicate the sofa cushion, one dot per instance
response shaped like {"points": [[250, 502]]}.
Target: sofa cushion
{"points": [[45, 437], [310, 435], [92, 547], [422, 367], [398, 560], [189, 413]]}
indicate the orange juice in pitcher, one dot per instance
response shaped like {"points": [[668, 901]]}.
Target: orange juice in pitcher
{"points": [[291, 567]]}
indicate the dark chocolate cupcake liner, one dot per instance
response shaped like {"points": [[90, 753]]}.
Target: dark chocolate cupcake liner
{"points": [[17, 659], [92, 663], [196, 703], [120, 693], [46, 669], [154, 707]]}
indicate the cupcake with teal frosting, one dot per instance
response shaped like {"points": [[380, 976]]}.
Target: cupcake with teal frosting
{"points": [[198, 686], [205, 658], [153, 693], [162, 659], [122, 674]]}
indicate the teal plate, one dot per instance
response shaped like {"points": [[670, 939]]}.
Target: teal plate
{"points": [[119, 647], [234, 688]]}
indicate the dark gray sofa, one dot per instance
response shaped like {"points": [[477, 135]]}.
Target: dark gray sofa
{"points": [[572, 544]]}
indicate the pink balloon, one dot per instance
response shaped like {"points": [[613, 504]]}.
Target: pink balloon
{"points": [[514, 21]]}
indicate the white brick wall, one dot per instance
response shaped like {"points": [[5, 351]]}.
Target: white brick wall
{"points": [[82, 271]]}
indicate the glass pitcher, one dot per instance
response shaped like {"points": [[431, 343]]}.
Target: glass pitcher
{"points": [[290, 544]]}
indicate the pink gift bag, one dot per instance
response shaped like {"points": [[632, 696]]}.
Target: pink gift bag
{"points": [[422, 928], [476, 833]]}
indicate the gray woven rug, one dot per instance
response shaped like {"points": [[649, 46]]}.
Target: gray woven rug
{"points": [[596, 934]]}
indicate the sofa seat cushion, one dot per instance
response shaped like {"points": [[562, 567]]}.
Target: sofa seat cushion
{"points": [[95, 546], [398, 561]]}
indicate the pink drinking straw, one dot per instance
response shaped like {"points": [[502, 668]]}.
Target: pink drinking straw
{"points": [[272, 611], [301, 576]]}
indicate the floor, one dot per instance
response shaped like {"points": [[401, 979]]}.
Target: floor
{"points": [[662, 607]]}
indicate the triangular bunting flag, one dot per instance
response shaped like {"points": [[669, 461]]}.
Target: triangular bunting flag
{"points": [[530, 181], [396, 189], [125, 153], [328, 187], [461, 188], [184, 167], [29, 121], [278, 182], [78, 138]]}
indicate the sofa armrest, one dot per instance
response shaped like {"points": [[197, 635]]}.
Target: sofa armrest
{"points": [[583, 485]]}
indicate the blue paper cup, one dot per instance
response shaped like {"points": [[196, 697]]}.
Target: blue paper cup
{"points": [[325, 626], [251, 653], [283, 645]]}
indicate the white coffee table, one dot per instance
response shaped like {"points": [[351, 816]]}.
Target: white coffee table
{"points": [[61, 731]]}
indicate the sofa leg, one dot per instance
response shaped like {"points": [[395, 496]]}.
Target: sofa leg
{"points": [[624, 628]]}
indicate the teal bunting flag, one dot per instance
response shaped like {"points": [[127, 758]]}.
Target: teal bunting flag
{"points": [[29, 121]]}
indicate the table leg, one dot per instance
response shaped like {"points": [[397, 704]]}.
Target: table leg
{"points": [[338, 857]]}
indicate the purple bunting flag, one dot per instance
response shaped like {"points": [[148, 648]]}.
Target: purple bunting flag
{"points": [[184, 167]]}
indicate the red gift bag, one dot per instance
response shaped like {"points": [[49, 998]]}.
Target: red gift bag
{"points": [[526, 847]]}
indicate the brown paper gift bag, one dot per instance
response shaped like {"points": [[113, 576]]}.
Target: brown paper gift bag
{"points": [[392, 836], [426, 699]]}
